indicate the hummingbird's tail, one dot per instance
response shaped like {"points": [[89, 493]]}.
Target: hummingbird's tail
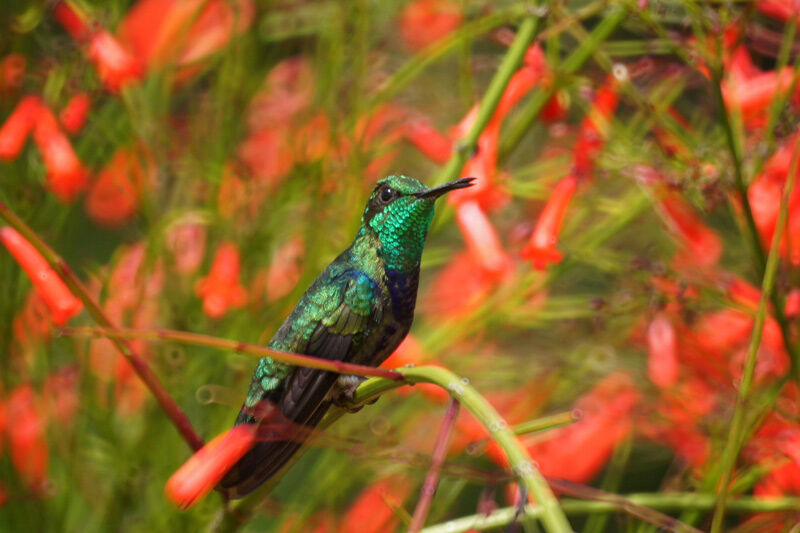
{"points": [[300, 405]]}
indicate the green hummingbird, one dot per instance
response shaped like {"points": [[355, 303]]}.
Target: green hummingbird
{"points": [[357, 311]]}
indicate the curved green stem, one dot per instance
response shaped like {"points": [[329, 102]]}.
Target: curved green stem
{"points": [[662, 502]]}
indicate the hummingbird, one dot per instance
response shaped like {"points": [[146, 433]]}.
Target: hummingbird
{"points": [[357, 311]]}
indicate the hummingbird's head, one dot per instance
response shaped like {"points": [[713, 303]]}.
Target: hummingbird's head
{"points": [[399, 213]]}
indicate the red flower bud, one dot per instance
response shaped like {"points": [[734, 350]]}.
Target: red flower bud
{"points": [[63, 305], [17, 126], [208, 466], [541, 250], [28, 448], [74, 114], [594, 129], [66, 175]]}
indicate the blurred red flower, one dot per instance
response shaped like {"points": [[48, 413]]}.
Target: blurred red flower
{"points": [[703, 246], [459, 288], [66, 175], [481, 238], [114, 197], [663, 367], [541, 250], [785, 10], [201, 473], [423, 22], [593, 130], [74, 114], [373, 511], [160, 32], [187, 242], [428, 140], [577, 452], [17, 126], [764, 194], [61, 302], [116, 67], [12, 70], [285, 269], [28, 447], [220, 289]]}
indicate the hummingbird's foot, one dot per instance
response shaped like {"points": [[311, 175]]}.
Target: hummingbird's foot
{"points": [[344, 392]]}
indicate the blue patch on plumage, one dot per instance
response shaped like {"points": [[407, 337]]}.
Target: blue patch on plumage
{"points": [[403, 289]]}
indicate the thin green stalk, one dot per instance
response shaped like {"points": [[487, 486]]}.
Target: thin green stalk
{"points": [[511, 61], [139, 365], [528, 113], [733, 443], [199, 339], [660, 501]]}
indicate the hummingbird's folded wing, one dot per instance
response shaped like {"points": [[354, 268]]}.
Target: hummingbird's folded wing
{"points": [[331, 321]]}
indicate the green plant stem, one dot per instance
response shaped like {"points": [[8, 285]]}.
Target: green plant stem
{"points": [[662, 502], [437, 460], [733, 442], [511, 61], [530, 111], [520, 462], [139, 365], [235, 346]]}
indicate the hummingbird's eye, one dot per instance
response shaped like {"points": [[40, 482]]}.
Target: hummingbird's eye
{"points": [[387, 194]]}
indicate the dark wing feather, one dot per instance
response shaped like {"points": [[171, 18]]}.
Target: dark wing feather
{"points": [[342, 308]]}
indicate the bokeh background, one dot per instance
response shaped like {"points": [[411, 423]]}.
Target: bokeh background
{"points": [[197, 163]]}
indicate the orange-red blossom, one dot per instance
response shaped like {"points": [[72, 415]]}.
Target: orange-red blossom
{"points": [[61, 302]]}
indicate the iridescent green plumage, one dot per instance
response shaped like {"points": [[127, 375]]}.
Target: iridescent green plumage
{"points": [[358, 310]]}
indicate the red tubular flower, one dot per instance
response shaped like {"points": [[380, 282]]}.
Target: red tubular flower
{"points": [[594, 129], [373, 511], [481, 238], [66, 175], [541, 250], [63, 305], [28, 448], [662, 352], [74, 114], [703, 246], [201, 473], [423, 22], [12, 69], [17, 126], [221, 290], [116, 66], [427, 139]]}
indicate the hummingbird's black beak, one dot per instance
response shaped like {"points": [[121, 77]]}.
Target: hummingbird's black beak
{"points": [[436, 192]]}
